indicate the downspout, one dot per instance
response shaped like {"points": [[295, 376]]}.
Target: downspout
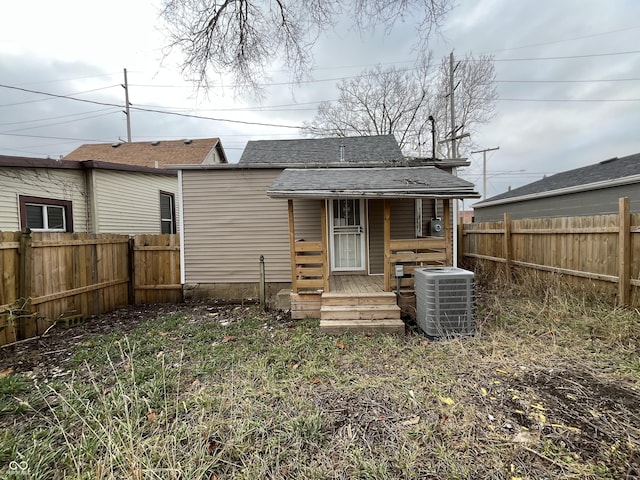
{"points": [[181, 209], [91, 197]]}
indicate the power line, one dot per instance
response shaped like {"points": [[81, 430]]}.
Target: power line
{"points": [[56, 117], [571, 81], [569, 100], [54, 138], [566, 57], [542, 44], [62, 123], [244, 122], [68, 96]]}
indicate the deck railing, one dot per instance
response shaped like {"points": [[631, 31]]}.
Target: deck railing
{"points": [[310, 267], [412, 254]]}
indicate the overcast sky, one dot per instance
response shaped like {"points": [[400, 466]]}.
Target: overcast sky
{"points": [[554, 114]]}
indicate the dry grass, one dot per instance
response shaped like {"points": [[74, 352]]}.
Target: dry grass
{"points": [[549, 388]]}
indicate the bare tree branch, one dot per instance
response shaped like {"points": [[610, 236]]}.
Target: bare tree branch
{"points": [[245, 37], [399, 102]]}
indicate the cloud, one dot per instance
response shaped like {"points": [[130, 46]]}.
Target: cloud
{"points": [[76, 47]]}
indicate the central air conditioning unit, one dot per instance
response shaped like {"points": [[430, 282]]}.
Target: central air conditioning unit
{"points": [[444, 301]]}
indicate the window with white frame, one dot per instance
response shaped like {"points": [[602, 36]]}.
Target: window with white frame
{"points": [[45, 214], [167, 213]]}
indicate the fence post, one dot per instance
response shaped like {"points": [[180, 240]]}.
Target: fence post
{"points": [[132, 272], [624, 251], [506, 246], [26, 265], [262, 292], [26, 283]]}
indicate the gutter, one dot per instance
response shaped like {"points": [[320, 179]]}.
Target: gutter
{"points": [[363, 194], [629, 180]]}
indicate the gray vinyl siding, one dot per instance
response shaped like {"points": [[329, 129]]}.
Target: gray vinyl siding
{"points": [[41, 182], [595, 202], [129, 202], [428, 212], [376, 236], [229, 222], [402, 227], [308, 219], [403, 219]]}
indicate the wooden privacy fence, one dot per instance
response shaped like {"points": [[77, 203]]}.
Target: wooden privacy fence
{"points": [[601, 249], [62, 278]]}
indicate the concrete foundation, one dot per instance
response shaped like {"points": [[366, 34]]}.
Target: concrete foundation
{"points": [[235, 292]]}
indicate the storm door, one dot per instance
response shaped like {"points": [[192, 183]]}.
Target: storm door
{"points": [[347, 235]]}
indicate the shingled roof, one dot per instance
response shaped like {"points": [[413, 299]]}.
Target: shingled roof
{"points": [[605, 171], [155, 154], [392, 182], [376, 149]]}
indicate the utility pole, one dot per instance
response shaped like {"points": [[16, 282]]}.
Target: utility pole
{"points": [[454, 129], [126, 105], [454, 152], [484, 168]]}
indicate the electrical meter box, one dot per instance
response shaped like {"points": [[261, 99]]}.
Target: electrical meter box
{"points": [[436, 227]]}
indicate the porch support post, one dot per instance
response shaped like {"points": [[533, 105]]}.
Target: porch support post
{"points": [[292, 248], [448, 237], [387, 245], [325, 248]]}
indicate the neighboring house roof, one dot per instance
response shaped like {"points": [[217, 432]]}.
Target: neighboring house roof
{"points": [[377, 149], [155, 154], [396, 182], [30, 162], [600, 175]]}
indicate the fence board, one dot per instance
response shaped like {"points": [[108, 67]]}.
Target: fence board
{"points": [[9, 289], [65, 274], [602, 250], [157, 269]]}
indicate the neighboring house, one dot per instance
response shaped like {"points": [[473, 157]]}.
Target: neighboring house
{"points": [[87, 196], [590, 190], [154, 154], [109, 193], [466, 216], [326, 216]]}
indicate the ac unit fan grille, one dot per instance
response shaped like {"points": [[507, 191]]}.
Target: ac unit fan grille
{"points": [[444, 301]]}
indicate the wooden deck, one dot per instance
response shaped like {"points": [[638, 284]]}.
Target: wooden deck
{"points": [[354, 303], [358, 303], [355, 284]]}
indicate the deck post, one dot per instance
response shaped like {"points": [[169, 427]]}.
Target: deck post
{"points": [[387, 245], [325, 249], [292, 247], [446, 204]]}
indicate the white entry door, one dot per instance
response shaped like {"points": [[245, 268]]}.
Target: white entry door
{"points": [[347, 235]]}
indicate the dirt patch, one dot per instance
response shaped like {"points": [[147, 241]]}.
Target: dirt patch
{"points": [[47, 356], [576, 411]]}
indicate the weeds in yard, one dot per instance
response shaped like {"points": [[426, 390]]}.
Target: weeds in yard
{"points": [[548, 389], [125, 425]]}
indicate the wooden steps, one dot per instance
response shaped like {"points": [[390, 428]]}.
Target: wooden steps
{"points": [[361, 312]]}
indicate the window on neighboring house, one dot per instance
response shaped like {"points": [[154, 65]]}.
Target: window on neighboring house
{"points": [[45, 214], [167, 213]]}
